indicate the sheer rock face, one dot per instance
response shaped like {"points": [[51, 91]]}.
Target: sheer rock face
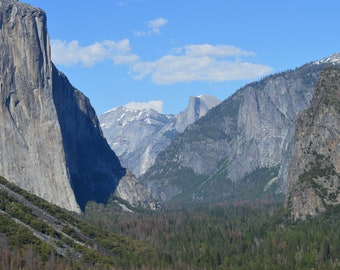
{"points": [[93, 167], [314, 171], [197, 107], [31, 151], [50, 140]]}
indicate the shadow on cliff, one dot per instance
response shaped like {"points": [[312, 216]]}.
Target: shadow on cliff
{"points": [[94, 169]]}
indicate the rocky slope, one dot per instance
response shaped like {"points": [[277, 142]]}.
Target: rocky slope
{"points": [[50, 140], [314, 171], [138, 135], [242, 146]]}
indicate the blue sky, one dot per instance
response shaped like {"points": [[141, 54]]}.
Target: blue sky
{"points": [[122, 51]]}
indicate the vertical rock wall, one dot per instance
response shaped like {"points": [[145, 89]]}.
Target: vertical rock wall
{"points": [[31, 149], [51, 143]]}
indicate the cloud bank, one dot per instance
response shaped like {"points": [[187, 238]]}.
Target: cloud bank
{"points": [[69, 54], [202, 62], [195, 62], [156, 105]]}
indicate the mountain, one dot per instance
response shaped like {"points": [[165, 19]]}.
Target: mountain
{"points": [[197, 107], [314, 171], [50, 138], [240, 149], [138, 135]]}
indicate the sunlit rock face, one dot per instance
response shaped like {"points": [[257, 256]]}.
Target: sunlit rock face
{"points": [[31, 148], [50, 140], [198, 106]]}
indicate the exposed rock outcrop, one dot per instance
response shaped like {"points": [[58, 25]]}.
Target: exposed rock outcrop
{"points": [[137, 136], [314, 171], [197, 107], [31, 143], [51, 143]]}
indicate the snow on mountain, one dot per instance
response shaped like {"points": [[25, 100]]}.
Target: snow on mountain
{"points": [[333, 59], [137, 133]]}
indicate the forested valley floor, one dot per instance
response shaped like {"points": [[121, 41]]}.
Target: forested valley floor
{"points": [[251, 235]]}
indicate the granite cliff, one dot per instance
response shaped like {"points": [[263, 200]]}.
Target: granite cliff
{"points": [[314, 171], [198, 106], [241, 148], [137, 136], [50, 140]]}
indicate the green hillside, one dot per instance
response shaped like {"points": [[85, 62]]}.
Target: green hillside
{"points": [[31, 227]]}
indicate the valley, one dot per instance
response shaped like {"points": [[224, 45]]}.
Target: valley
{"points": [[37, 235], [250, 182]]}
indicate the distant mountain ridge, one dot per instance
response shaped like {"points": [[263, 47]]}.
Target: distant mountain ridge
{"points": [[240, 146], [138, 135]]}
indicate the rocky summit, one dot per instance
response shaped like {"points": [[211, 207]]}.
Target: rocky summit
{"points": [[198, 106], [314, 171], [51, 143], [137, 136]]}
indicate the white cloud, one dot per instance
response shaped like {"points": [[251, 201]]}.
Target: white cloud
{"points": [[203, 62], [198, 50], [157, 105], [72, 53], [153, 27], [196, 62]]}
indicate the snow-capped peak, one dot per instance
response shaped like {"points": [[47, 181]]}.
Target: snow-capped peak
{"points": [[333, 59]]}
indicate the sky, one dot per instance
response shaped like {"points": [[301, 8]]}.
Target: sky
{"points": [[158, 53]]}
